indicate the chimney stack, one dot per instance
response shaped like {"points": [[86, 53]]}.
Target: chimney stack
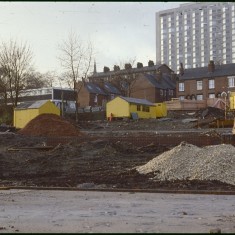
{"points": [[128, 66], [116, 68], [106, 69], [181, 69], [211, 66], [150, 63], [139, 65]]}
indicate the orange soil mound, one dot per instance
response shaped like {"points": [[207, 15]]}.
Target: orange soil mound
{"points": [[49, 125]]}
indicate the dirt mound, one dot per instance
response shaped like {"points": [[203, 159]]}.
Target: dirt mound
{"points": [[49, 125]]}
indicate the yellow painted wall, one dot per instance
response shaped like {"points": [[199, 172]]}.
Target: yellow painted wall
{"points": [[142, 114], [121, 108], [49, 107], [23, 116], [161, 110], [232, 100], [118, 107]]}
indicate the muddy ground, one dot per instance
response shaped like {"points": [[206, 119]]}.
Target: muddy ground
{"points": [[90, 161]]}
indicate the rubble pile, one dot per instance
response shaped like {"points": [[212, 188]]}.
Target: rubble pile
{"points": [[49, 125], [211, 112], [189, 162]]}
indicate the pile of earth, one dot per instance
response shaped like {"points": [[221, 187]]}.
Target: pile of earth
{"points": [[49, 125]]}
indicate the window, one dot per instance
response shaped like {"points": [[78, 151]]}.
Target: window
{"points": [[145, 108], [96, 98], [212, 95], [181, 97], [170, 92], [211, 83], [199, 85], [199, 97], [231, 81], [181, 86], [138, 108]]}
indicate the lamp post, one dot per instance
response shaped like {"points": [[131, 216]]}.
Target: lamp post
{"points": [[224, 94], [61, 79]]}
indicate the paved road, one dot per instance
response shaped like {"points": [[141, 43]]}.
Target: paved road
{"points": [[30, 211]]}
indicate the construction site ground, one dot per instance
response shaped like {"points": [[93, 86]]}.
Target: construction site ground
{"points": [[63, 211], [57, 175], [103, 154]]}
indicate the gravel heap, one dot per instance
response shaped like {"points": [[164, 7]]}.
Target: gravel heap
{"points": [[189, 162]]}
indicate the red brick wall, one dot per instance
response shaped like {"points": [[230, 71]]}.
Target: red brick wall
{"points": [[83, 97], [190, 87], [143, 89]]}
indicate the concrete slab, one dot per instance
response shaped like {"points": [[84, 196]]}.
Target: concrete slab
{"points": [[44, 211]]}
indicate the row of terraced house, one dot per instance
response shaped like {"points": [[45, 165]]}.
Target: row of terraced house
{"points": [[157, 83]]}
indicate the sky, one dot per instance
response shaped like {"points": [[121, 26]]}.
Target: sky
{"points": [[118, 31]]}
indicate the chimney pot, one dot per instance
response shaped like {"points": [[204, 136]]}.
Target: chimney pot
{"points": [[211, 66]]}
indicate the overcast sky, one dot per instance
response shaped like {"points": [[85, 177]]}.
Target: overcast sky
{"points": [[119, 31]]}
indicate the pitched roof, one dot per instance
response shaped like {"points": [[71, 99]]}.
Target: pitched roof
{"points": [[164, 83], [110, 88], [137, 101], [94, 88], [31, 104], [198, 73]]}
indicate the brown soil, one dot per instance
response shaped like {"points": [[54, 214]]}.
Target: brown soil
{"points": [[49, 125], [87, 163]]}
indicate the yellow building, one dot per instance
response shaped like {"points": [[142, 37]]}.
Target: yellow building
{"points": [[121, 107], [232, 100], [161, 110], [27, 111]]}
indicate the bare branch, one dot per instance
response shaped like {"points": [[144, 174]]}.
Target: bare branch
{"points": [[15, 62], [125, 81], [75, 58]]}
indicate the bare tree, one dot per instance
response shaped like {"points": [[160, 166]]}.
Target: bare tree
{"points": [[125, 79], [15, 64], [3, 88], [36, 80], [75, 57]]}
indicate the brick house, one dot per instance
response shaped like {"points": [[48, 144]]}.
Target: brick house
{"points": [[155, 83], [108, 75], [155, 88], [96, 94], [205, 82]]}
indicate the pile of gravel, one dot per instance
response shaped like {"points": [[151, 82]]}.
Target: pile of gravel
{"points": [[189, 162]]}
